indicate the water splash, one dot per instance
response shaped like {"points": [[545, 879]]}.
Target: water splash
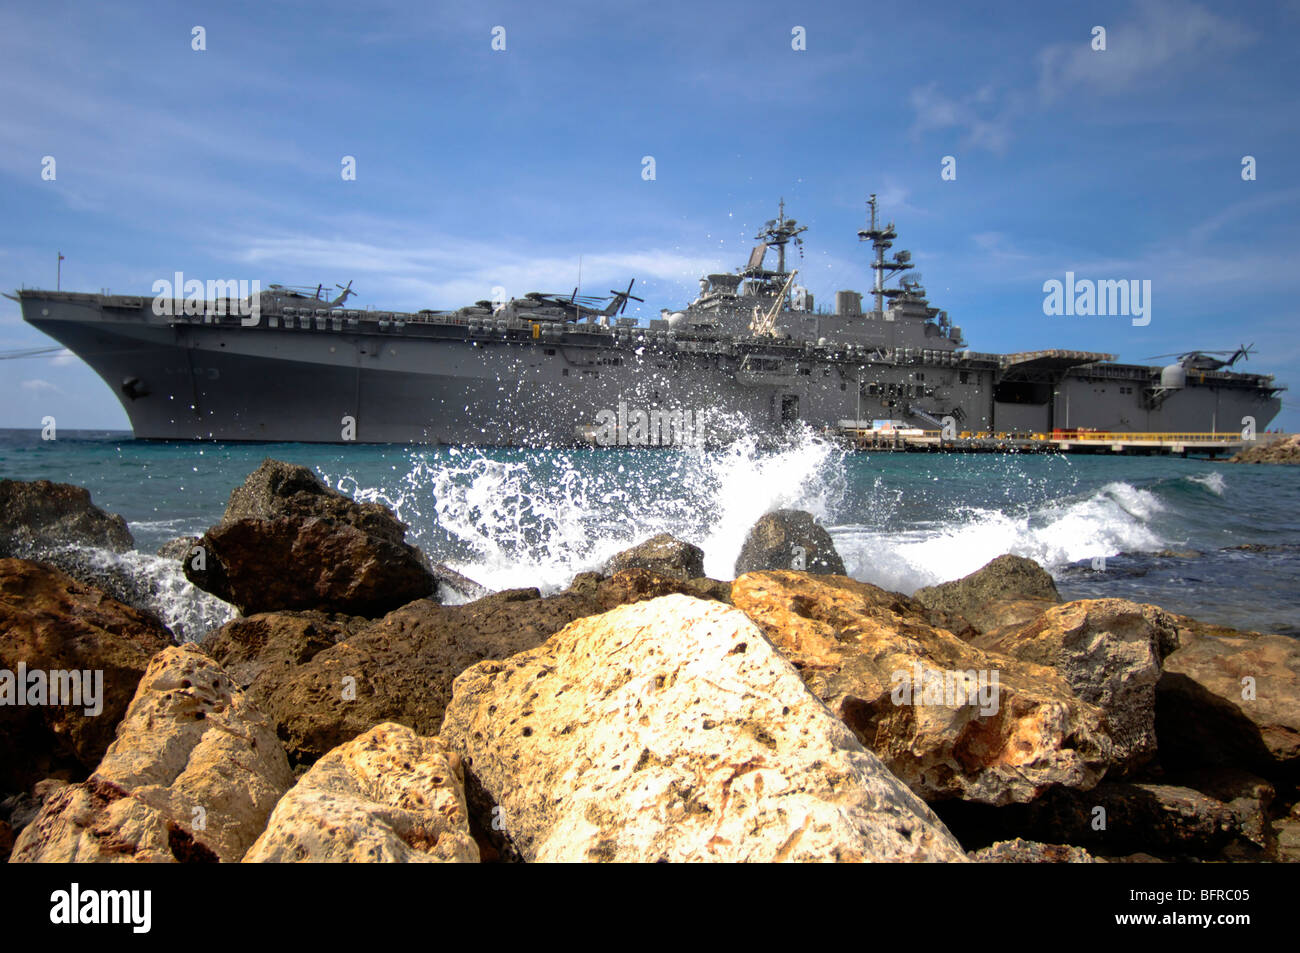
{"points": [[535, 518]]}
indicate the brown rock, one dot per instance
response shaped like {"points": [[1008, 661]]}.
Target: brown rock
{"points": [[403, 666], [40, 515], [1109, 650], [292, 563], [1008, 590], [50, 622], [860, 648], [789, 539], [1230, 697], [274, 643], [1121, 818], [664, 554]]}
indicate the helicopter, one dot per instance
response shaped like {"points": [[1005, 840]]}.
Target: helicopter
{"points": [[1203, 361], [305, 294], [587, 306]]}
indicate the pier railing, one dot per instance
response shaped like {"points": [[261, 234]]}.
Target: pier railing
{"points": [[1069, 441]]}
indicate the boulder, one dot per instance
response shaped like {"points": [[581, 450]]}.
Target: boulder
{"points": [[272, 644], [789, 539], [195, 771], [401, 667], [664, 554], [1109, 650], [287, 541], [453, 584], [948, 718], [1118, 817], [387, 796], [97, 822], [673, 730], [1271, 450], [1230, 698], [636, 585], [1006, 591], [276, 490], [50, 623], [1020, 851], [1250, 799], [38, 516], [313, 563], [182, 547]]}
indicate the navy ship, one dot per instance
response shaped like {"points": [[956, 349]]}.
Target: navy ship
{"points": [[749, 353]]}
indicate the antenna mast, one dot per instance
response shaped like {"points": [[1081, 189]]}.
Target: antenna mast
{"points": [[881, 240]]}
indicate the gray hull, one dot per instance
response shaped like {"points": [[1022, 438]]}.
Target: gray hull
{"points": [[440, 382]]}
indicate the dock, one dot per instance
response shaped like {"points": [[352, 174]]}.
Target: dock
{"points": [[1209, 445]]}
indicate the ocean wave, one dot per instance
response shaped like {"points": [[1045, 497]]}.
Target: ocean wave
{"points": [[1113, 519]]}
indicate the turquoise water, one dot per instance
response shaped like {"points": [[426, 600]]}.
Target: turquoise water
{"points": [[1166, 528]]}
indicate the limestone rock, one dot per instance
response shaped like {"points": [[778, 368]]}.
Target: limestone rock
{"points": [[789, 539], [673, 730], [194, 764], [978, 598], [97, 822], [1109, 650], [1019, 851], [52, 623], [388, 795], [910, 692], [1278, 450], [665, 554], [39, 515]]}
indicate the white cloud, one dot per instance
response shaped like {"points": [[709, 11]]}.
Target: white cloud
{"points": [[1166, 37], [38, 386]]}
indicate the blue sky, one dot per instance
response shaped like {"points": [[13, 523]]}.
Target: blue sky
{"points": [[478, 168]]}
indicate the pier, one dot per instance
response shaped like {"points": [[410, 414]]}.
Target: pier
{"points": [[1058, 441]]}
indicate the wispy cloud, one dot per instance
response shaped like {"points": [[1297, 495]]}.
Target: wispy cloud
{"points": [[1165, 38]]}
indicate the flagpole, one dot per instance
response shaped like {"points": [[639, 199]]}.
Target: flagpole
{"points": [[59, 282]]}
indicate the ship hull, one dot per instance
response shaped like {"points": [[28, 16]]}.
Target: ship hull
{"points": [[193, 380]]}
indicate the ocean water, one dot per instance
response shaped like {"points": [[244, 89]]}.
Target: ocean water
{"points": [[1216, 541]]}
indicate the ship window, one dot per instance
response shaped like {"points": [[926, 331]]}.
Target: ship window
{"points": [[965, 377], [843, 386], [920, 377], [550, 352], [806, 371], [565, 372]]}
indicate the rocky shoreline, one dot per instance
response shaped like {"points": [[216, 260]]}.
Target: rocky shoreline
{"points": [[645, 713], [1282, 450]]}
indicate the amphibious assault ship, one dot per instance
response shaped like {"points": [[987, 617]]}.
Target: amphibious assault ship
{"points": [[751, 352]]}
